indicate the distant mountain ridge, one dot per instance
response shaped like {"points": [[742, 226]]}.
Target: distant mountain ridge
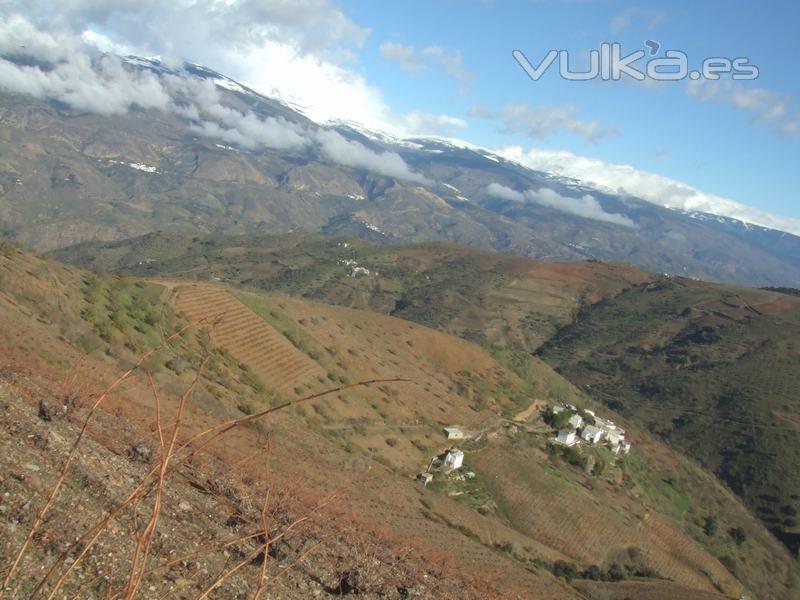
{"points": [[69, 176]]}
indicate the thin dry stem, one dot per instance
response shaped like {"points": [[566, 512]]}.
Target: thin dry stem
{"points": [[145, 541], [71, 456], [262, 579]]}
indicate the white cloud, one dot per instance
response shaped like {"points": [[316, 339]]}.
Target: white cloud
{"points": [[18, 35], [99, 84], [200, 102], [542, 121], [766, 106], [405, 56], [586, 206], [450, 62], [288, 48], [102, 84], [201, 29], [340, 150], [657, 189], [415, 61], [421, 123]]}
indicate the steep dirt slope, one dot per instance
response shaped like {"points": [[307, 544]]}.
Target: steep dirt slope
{"points": [[65, 333]]}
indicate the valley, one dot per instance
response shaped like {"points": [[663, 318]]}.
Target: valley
{"points": [[527, 505]]}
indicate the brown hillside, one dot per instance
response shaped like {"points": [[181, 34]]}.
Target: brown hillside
{"points": [[365, 444], [251, 339]]}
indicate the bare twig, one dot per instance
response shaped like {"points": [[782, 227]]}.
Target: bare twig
{"points": [[71, 456], [262, 579], [145, 541]]}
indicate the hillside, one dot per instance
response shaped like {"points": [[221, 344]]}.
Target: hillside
{"points": [[67, 333], [711, 370], [486, 297], [681, 357], [69, 176]]}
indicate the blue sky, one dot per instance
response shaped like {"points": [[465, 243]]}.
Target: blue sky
{"points": [[713, 145]]}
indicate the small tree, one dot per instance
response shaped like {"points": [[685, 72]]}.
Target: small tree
{"points": [[616, 573], [738, 534], [567, 570], [595, 573], [710, 525]]}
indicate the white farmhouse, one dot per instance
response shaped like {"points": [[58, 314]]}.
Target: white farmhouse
{"points": [[454, 433], [615, 438], [567, 437], [592, 434], [454, 459], [576, 421]]}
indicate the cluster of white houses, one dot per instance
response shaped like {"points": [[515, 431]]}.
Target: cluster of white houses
{"points": [[581, 430]]}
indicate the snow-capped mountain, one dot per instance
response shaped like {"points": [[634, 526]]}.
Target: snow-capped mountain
{"points": [[217, 156]]}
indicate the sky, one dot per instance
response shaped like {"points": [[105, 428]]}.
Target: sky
{"points": [[446, 68]]}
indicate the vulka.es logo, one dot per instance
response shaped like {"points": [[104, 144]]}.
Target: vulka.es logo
{"points": [[608, 63]]}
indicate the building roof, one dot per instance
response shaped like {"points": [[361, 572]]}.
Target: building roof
{"points": [[576, 420], [591, 431]]}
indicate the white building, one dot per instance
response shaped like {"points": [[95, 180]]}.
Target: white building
{"points": [[454, 459], [592, 434], [567, 437], [615, 438], [576, 421], [454, 433], [558, 409]]}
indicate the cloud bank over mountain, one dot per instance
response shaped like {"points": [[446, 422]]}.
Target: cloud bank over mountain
{"points": [[70, 71], [292, 50], [586, 206], [630, 181]]}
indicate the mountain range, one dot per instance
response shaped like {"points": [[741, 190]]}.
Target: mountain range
{"points": [[222, 158]]}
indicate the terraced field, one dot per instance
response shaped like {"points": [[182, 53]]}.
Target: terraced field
{"points": [[253, 341]]}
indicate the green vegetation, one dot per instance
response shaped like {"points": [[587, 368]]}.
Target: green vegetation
{"points": [[709, 525], [738, 535], [633, 565], [424, 283], [466, 485], [710, 369], [128, 318]]}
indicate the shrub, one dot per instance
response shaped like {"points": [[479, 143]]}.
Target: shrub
{"points": [[595, 573], [567, 570], [573, 456], [616, 573], [710, 525], [738, 535]]}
